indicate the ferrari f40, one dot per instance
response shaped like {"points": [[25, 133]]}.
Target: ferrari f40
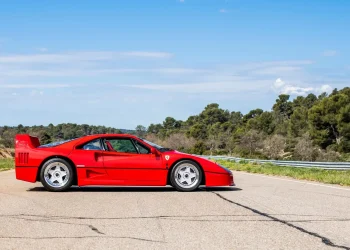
{"points": [[113, 160]]}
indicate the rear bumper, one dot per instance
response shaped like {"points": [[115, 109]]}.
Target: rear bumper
{"points": [[219, 179], [26, 173]]}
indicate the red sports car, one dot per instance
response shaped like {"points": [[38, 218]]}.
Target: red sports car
{"points": [[113, 160]]}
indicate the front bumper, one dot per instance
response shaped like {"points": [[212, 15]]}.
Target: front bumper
{"points": [[219, 179]]}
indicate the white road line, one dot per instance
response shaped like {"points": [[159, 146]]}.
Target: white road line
{"points": [[285, 179]]}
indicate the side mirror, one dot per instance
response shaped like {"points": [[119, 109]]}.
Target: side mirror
{"points": [[154, 151]]}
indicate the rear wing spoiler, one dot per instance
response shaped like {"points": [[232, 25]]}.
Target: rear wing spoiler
{"points": [[26, 141]]}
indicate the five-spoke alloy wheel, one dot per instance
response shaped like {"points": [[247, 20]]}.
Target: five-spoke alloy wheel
{"points": [[186, 176], [56, 175]]}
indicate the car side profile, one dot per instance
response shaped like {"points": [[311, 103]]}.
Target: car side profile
{"points": [[113, 160]]}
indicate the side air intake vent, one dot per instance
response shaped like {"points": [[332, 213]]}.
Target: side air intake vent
{"points": [[23, 158]]}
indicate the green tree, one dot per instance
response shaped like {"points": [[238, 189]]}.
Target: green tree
{"points": [[169, 123], [343, 120], [140, 131], [213, 114], [154, 128], [252, 114], [298, 124], [263, 122], [283, 107], [198, 131], [328, 120], [236, 119]]}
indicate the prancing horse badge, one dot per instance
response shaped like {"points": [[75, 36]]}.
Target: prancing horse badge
{"points": [[167, 157]]}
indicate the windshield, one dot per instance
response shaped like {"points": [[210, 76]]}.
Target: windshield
{"points": [[160, 148]]}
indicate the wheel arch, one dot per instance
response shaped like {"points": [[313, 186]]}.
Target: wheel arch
{"points": [[186, 159], [75, 180]]}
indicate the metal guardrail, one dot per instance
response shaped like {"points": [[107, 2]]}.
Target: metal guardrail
{"points": [[297, 164]]}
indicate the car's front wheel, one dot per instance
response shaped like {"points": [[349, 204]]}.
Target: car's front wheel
{"points": [[186, 176], [57, 175]]}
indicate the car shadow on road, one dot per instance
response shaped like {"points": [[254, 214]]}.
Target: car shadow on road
{"points": [[135, 189]]}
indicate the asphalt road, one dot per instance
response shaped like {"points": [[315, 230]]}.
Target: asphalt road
{"points": [[260, 213]]}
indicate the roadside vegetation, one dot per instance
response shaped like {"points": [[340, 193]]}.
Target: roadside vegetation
{"points": [[311, 174], [306, 128], [6, 164]]}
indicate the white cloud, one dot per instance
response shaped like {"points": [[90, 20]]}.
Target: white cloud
{"points": [[223, 10], [178, 70], [38, 86], [294, 90], [94, 72], [272, 67], [36, 93], [154, 70], [146, 54], [96, 63], [278, 83], [282, 87], [329, 53], [80, 56], [238, 78], [277, 70], [42, 49], [234, 86], [326, 88], [245, 77]]}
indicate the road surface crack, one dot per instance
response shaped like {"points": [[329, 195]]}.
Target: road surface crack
{"points": [[95, 229], [52, 219], [57, 219], [325, 240]]}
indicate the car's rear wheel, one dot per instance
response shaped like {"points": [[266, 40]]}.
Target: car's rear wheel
{"points": [[186, 176], [57, 175]]}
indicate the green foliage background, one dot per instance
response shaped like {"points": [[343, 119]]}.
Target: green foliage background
{"points": [[315, 128], [51, 133], [320, 124]]}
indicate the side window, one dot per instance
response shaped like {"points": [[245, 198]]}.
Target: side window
{"points": [[122, 145], [142, 148], [93, 145]]}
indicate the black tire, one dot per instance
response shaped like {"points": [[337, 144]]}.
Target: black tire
{"points": [[58, 167], [181, 169]]}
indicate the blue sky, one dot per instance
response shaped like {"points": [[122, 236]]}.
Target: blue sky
{"points": [[122, 63]]}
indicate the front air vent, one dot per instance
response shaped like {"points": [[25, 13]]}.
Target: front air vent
{"points": [[23, 158]]}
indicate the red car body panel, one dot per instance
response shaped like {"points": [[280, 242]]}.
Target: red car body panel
{"points": [[101, 167]]}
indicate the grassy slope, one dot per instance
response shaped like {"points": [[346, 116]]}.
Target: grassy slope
{"points": [[311, 174], [6, 164]]}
